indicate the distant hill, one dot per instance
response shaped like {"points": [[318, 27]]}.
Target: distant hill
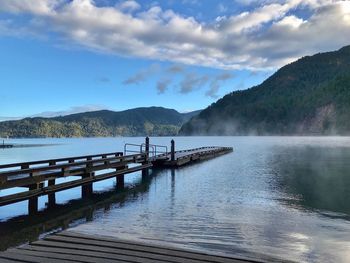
{"points": [[153, 121], [307, 97]]}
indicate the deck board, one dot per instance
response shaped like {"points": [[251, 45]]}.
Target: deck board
{"points": [[65, 256], [120, 249], [69, 246], [77, 252], [30, 258], [139, 246]]}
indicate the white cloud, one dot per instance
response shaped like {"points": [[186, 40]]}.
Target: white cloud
{"points": [[37, 7], [291, 22], [129, 5], [265, 37], [50, 114], [71, 110]]}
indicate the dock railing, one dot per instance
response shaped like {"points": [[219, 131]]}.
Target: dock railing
{"points": [[39, 177], [154, 149]]}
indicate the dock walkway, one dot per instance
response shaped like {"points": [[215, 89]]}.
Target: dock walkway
{"points": [[43, 177], [70, 246], [183, 157]]}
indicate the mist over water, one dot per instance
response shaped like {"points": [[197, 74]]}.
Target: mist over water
{"points": [[280, 197]]}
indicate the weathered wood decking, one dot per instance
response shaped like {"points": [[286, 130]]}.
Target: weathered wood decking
{"points": [[69, 246]]}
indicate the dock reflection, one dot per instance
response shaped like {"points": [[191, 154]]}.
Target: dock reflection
{"points": [[27, 228]]}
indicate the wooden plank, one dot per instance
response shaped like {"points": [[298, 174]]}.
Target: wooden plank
{"points": [[92, 254], [64, 256], [4, 260], [155, 248], [55, 241], [70, 246], [138, 249], [29, 258]]}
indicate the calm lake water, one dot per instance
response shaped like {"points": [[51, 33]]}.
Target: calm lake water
{"points": [[281, 197]]}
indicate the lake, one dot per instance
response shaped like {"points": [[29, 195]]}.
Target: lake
{"points": [[280, 197]]}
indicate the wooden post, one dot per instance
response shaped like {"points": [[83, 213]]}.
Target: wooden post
{"points": [[147, 148], [87, 189], [120, 178], [145, 172], [52, 196], [172, 150], [33, 201]]}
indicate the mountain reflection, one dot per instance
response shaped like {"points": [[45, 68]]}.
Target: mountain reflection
{"points": [[315, 177]]}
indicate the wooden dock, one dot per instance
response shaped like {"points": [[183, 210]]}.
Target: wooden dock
{"points": [[183, 157], [69, 246], [40, 178]]}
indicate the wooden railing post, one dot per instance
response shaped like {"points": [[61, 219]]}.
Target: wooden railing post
{"points": [[147, 148], [87, 189], [120, 178], [172, 150], [52, 196], [33, 201], [145, 171]]}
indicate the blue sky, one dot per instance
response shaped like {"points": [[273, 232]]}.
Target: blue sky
{"points": [[60, 56]]}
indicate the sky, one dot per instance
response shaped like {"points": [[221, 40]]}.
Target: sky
{"points": [[66, 56]]}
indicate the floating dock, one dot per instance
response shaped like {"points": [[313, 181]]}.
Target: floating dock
{"points": [[180, 158], [38, 178], [69, 246]]}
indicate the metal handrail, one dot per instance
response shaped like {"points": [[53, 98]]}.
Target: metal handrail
{"points": [[149, 152], [130, 144], [154, 149], [140, 149], [155, 146]]}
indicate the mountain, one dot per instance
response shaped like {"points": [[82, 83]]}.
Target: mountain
{"points": [[153, 121], [307, 97]]}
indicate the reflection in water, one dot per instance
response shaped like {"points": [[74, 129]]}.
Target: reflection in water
{"points": [[26, 228], [318, 177]]}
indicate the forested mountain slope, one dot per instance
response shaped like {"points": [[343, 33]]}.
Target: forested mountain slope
{"points": [[155, 121], [309, 96]]}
